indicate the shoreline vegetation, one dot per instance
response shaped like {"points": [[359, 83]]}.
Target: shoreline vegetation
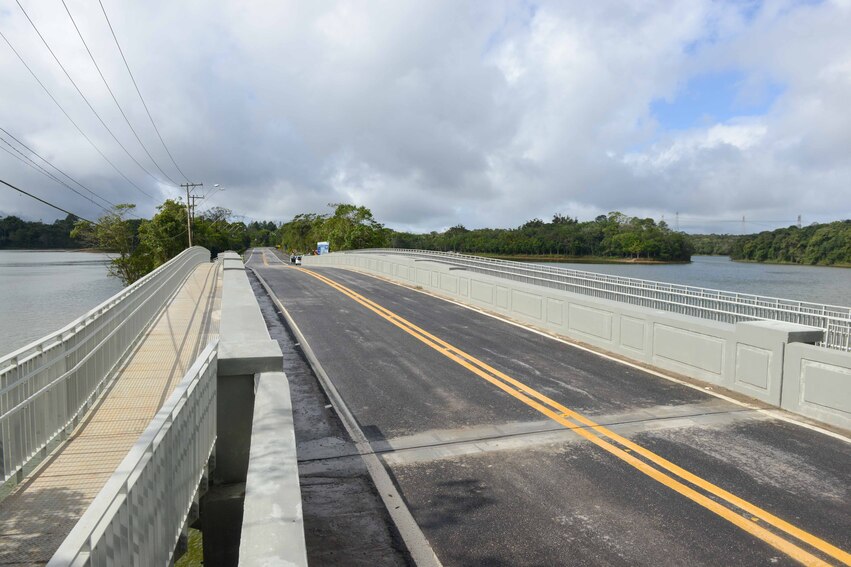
{"points": [[140, 245], [841, 265], [616, 237], [560, 259]]}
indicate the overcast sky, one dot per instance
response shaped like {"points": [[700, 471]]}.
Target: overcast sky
{"points": [[438, 113]]}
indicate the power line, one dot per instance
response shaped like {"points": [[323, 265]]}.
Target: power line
{"points": [[68, 116], [139, 92], [44, 172], [85, 99], [32, 151], [115, 100], [188, 187], [46, 203]]}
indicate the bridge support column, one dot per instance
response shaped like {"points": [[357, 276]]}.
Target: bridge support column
{"points": [[245, 350]]}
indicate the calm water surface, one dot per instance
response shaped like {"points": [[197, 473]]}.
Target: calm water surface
{"points": [[42, 291], [804, 283]]}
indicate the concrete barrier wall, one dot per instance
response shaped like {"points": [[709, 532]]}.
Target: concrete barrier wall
{"points": [[272, 524], [817, 384], [251, 514], [745, 357]]}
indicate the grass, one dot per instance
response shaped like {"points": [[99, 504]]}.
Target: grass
{"points": [[194, 556]]}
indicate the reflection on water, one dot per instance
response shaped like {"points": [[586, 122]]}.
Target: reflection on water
{"points": [[42, 291], [817, 284]]}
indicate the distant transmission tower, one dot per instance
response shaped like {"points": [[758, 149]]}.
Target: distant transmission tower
{"points": [[743, 224], [677, 221], [799, 221]]}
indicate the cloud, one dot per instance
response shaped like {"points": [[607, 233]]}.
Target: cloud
{"points": [[439, 113]]}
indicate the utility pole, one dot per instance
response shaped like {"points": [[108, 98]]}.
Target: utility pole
{"points": [[193, 197], [799, 221], [189, 186]]}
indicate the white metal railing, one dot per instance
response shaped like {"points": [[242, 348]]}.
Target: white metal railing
{"points": [[138, 516], [47, 386], [717, 305]]}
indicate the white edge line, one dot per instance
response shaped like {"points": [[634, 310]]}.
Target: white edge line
{"points": [[776, 414]]}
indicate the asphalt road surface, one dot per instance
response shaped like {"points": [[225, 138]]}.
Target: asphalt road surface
{"points": [[513, 448]]}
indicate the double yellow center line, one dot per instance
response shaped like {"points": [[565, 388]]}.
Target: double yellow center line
{"points": [[743, 514]]}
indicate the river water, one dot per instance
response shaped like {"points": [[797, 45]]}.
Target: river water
{"points": [[42, 291], [817, 284]]}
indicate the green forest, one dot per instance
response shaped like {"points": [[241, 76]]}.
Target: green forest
{"points": [[140, 245], [713, 244], [608, 236], [817, 244], [349, 227], [18, 234], [611, 236]]}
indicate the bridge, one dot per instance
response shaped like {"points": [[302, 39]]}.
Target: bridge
{"points": [[492, 413]]}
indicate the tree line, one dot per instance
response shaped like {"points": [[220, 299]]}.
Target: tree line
{"points": [[348, 227], [615, 235], [608, 236], [18, 234], [140, 245], [817, 244]]}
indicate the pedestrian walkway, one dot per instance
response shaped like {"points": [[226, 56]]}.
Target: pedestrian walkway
{"points": [[39, 514]]}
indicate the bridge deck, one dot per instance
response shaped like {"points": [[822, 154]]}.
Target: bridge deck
{"points": [[39, 514], [652, 472]]}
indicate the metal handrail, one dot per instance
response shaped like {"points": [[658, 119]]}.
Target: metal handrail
{"points": [[46, 386], [138, 516], [717, 305]]}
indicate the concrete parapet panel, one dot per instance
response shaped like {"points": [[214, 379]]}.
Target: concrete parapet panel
{"points": [[758, 367], [502, 296], [555, 312], [693, 353], [817, 383], [403, 272], [528, 304], [632, 333], [481, 291], [753, 366], [423, 276], [449, 283], [590, 321]]}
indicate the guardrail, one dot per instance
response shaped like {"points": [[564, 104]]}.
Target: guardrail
{"points": [[46, 386], [138, 517], [716, 305]]}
